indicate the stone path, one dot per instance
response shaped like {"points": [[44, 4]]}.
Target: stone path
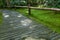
{"points": [[18, 27]]}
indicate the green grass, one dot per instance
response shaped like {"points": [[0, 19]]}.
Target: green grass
{"points": [[45, 17], [0, 18]]}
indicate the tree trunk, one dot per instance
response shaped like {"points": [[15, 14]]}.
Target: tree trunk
{"points": [[29, 10], [7, 2]]}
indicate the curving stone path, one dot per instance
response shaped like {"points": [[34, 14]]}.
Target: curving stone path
{"points": [[18, 27]]}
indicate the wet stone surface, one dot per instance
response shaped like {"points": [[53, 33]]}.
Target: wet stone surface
{"points": [[18, 27]]}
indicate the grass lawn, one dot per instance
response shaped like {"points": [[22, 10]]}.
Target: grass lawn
{"points": [[0, 18], [45, 17]]}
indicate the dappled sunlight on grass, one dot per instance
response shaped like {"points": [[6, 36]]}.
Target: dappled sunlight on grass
{"points": [[48, 18]]}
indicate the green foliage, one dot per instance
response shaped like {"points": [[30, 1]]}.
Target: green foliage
{"points": [[2, 3], [53, 3], [18, 3], [23, 3], [13, 3], [34, 2], [46, 3]]}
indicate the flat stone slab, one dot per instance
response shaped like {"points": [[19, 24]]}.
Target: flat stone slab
{"points": [[15, 26]]}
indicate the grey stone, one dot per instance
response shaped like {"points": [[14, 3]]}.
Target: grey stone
{"points": [[15, 26]]}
